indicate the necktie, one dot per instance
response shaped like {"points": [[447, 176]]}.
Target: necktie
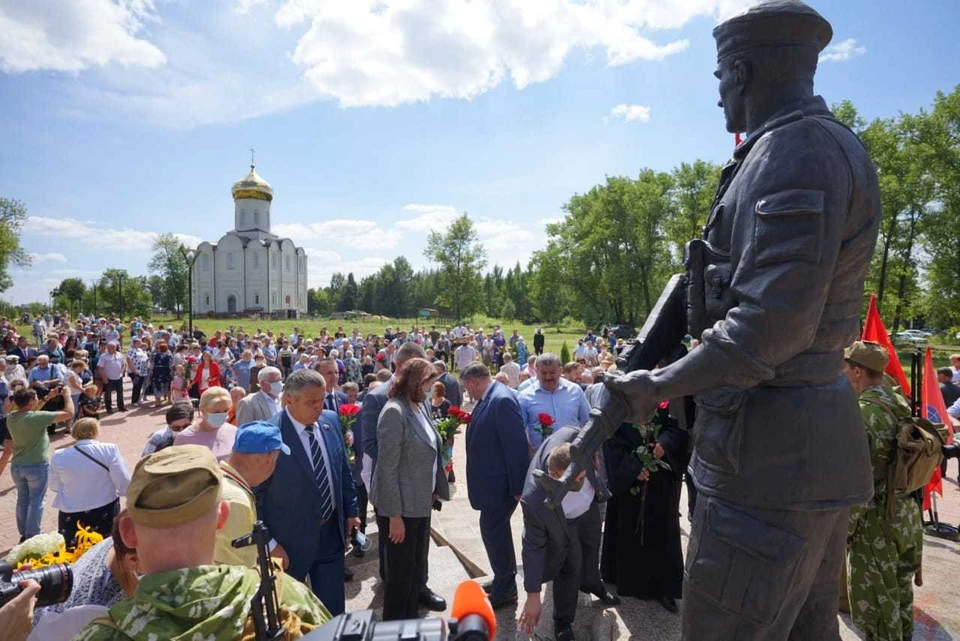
{"points": [[320, 474], [331, 403]]}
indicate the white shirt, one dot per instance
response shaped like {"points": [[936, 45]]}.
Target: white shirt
{"points": [[579, 351], [80, 484], [427, 426], [463, 356], [576, 504], [112, 365], [305, 441]]}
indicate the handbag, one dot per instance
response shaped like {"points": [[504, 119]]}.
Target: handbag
{"points": [[91, 457]]}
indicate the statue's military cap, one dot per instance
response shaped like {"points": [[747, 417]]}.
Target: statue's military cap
{"points": [[774, 23], [868, 354], [174, 486]]}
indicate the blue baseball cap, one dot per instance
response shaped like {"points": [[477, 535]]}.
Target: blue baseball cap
{"points": [[259, 437]]}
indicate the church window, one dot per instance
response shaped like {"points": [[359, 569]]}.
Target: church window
{"points": [[205, 262], [230, 261], [274, 261], [286, 263], [206, 300], [256, 299], [273, 297], [256, 217], [256, 260], [243, 214]]}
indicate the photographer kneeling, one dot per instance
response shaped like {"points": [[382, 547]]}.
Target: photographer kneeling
{"points": [[175, 508]]}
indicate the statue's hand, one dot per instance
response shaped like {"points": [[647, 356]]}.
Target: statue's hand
{"points": [[638, 390]]}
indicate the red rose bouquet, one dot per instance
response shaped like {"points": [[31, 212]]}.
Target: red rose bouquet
{"points": [[348, 416], [546, 424]]}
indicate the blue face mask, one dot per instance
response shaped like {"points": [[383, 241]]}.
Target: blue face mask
{"points": [[216, 419], [276, 387]]}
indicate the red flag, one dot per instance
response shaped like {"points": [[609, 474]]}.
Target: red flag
{"points": [[935, 411], [873, 330]]}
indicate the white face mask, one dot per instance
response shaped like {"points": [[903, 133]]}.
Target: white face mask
{"points": [[216, 419], [276, 387]]}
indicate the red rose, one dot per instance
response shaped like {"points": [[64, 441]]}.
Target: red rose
{"points": [[349, 409], [545, 419]]}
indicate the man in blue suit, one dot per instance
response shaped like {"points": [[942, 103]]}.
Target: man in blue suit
{"points": [[496, 471], [373, 403], [310, 502]]}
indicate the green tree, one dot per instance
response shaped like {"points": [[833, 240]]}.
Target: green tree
{"points": [[13, 214], [694, 187], [564, 353], [348, 295], [123, 295], [168, 263], [548, 286], [69, 294], [461, 258]]}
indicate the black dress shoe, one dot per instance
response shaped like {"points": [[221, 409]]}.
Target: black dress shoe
{"points": [[669, 604], [432, 601], [563, 632], [500, 600], [347, 574], [487, 587]]}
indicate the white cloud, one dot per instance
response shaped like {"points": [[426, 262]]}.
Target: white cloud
{"points": [[631, 113], [52, 257], [371, 52], [97, 235], [355, 233], [842, 51], [429, 218], [551, 221], [321, 265], [75, 35]]}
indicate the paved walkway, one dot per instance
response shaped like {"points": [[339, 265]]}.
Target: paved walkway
{"points": [[457, 554]]}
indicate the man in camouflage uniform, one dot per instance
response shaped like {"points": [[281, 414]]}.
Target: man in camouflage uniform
{"points": [[175, 508], [884, 551]]}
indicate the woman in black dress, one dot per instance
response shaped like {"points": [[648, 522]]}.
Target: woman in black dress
{"points": [[641, 544]]}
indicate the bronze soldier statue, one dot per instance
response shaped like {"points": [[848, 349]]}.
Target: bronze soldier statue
{"points": [[774, 290]]}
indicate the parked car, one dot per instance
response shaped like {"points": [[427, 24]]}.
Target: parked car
{"points": [[911, 337]]}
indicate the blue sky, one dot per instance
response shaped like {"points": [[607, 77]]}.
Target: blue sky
{"points": [[377, 121]]}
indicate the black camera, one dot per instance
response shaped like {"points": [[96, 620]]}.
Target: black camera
{"points": [[56, 582], [360, 626], [951, 451]]}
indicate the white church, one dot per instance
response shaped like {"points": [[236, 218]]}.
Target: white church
{"points": [[251, 270]]}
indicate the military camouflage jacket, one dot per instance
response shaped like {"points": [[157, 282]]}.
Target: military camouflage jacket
{"points": [[876, 405], [208, 603]]}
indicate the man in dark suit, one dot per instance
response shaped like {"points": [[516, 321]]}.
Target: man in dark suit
{"points": [[373, 403], [561, 545], [310, 502], [496, 470], [450, 384]]}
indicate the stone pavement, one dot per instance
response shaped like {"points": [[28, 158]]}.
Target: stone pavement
{"points": [[457, 553]]}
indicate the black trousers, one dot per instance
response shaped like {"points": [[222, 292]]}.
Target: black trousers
{"points": [[498, 541], [581, 568], [137, 382], [99, 519], [403, 567], [362, 502], [113, 386]]}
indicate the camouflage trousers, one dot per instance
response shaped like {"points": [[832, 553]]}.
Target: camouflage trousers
{"points": [[884, 555]]}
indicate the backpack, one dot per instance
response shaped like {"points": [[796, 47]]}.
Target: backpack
{"points": [[917, 452]]}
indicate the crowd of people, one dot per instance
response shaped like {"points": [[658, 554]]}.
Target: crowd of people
{"points": [[252, 419]]}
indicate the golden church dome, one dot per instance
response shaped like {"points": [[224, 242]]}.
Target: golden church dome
{"points": [[252, 186]]}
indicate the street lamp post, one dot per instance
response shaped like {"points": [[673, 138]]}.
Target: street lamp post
{"points": [[189, 255]]}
